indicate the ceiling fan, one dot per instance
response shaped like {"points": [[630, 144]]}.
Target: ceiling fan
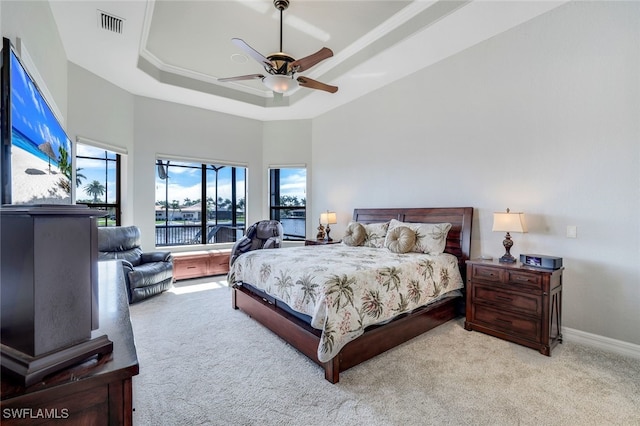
{"points": [[281, 67]]}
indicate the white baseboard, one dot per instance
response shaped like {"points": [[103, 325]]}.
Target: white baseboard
{"points": [[605, 343]]}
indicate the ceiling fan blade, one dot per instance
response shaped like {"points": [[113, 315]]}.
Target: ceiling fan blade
{"points": [[242, 77], [252, 52], [309, 61], [313, 84]]}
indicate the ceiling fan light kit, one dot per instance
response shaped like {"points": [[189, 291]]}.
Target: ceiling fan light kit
{"points": [[280, 83], [281, 67]]}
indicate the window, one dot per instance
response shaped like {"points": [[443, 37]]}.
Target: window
{"points": [[288, 199], [198, 203], [98, 182]]}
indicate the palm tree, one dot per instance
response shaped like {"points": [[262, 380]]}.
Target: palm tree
{"points": [[96, 189], [175, 205]]}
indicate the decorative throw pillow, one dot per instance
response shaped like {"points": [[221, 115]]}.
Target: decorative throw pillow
{"points": [[354, 234], [431, 238], [375, 234], [400, 239]]}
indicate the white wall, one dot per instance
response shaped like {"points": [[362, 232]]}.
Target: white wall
{"points": [[32, 22], [102, 112], [542, 119]]}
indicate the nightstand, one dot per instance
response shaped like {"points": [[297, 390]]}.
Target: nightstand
{"points": [[320, 242], [515, 302]]}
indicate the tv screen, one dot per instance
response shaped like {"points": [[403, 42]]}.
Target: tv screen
{"points": [[36, 151]]}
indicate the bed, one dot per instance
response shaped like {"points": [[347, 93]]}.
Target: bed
{"points": [[268, 299]]}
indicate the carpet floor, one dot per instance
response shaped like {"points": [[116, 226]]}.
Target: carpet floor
{"points": [[203, 363]]}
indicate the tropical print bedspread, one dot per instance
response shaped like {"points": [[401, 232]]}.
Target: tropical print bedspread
{"points": [[344, 289]]}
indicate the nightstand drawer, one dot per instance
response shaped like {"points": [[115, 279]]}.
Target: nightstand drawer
{"points": [[522, 278], [514, 324], [486, 274], [525, 303]]}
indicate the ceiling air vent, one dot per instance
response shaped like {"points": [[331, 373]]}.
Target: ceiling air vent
{"points": [[109, 22]]}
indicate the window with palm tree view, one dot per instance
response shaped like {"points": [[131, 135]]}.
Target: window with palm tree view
{"points": [[199, 203], [98, 182], [288, 199]]}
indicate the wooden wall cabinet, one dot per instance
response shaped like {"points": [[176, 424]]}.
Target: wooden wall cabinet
{"points": [[517, 303], [204, 263]]}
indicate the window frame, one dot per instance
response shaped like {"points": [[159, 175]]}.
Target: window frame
{"points": [[275, 194], [117, 206], [203, 167]]}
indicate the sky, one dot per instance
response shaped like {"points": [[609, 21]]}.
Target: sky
{"points": [[185, 183], [31, 115], [95, 170]]}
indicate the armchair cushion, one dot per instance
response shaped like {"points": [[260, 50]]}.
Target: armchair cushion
{"points": [[151, 273]]}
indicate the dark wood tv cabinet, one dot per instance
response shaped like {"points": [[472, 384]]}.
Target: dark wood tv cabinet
{"points": [[96, 392]]}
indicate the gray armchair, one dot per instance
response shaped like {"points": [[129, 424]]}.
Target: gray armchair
{"points": [[146, 274]]}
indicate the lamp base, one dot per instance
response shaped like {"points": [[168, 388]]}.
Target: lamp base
{"points": [[328, 238], [507, 258]]}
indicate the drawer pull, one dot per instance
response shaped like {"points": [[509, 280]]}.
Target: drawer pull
{"points": [[506, 299], [191, 267], [504, 321]]}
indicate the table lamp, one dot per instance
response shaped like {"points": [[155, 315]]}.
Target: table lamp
{"points": [[330, 218], [508, 222]]}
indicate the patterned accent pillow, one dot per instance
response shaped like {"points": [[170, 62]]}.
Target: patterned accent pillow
{"points": [[400, 239], [375, 234], [354, 235], [431, 238]]}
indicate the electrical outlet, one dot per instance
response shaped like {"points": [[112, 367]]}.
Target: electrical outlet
{"points": [[572, 231]]}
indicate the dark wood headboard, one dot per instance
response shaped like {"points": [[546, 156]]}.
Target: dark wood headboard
{"points": [[460, 218]]}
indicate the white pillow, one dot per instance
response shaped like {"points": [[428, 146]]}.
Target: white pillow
{"points": [[431, 238], [375, 234]]}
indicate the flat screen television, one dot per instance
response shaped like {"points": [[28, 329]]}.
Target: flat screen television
{"points": [[36, 164]]}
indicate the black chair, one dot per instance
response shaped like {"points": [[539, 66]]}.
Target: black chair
{"points": [[146, 274], [261, 235]]}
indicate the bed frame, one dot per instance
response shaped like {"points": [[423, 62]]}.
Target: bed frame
{"points": [[376, 339]]}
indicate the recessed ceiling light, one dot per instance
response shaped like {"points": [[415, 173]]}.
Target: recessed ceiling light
{"points": [[238, 58]]}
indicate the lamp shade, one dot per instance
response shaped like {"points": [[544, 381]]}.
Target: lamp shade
{"points": [[328, 217], [509, 222], [280, 83]]}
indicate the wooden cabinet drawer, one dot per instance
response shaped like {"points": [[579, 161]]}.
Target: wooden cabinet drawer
{"points": [[521, 302], [200, 264], [219, 264], [521, 278], [190, 268], [523, 327], [486, 274]]}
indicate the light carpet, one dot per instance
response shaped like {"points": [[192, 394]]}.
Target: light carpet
{"points": [[203, 363]]}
